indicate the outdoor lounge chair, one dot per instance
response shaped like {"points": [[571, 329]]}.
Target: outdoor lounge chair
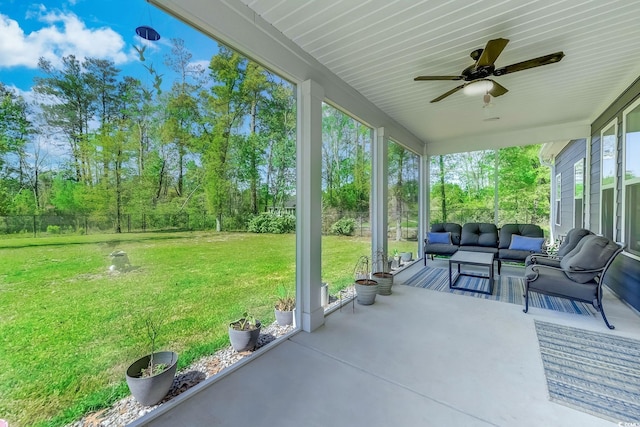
{"points": [[579, 276], [571, 240]]}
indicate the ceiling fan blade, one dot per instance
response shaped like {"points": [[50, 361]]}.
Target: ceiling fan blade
{"points": [[444, 95], [491, 51], [497, 89], [531, 63], [420, 78]]}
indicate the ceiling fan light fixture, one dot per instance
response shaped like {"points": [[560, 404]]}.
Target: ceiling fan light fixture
{"points": [[478, 87]]}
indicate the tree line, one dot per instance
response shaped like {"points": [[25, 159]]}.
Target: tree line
{"points": [[464, 186], [98, 142]]}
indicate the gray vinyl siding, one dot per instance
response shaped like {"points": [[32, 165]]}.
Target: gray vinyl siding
{"points": [[565, 161], [624, 275]]}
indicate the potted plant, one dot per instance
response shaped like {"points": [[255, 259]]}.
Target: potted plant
{"points": [[396, 259], [244, 333], [382, 275], [151, 377], [406, 257], [284, 307], [366, 287]]}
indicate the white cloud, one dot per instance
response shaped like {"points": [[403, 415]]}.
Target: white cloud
{"points": [[62, 34]]}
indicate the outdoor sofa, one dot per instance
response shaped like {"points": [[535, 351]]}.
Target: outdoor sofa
{"points": [[513, 242]]}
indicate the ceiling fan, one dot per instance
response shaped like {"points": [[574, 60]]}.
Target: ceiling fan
{"points": [[484, 67]]}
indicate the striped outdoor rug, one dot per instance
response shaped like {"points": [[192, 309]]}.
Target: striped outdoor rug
{"points": [[505, 289], [593, 372]]}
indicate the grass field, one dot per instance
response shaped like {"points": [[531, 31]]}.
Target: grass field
{"points": [[70, 327]]}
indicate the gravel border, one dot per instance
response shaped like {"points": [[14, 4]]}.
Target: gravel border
{"points": [[127, 410]]}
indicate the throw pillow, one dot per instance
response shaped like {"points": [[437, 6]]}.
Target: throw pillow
{"points": [[439, 237], [523, 243], [591, 253]]}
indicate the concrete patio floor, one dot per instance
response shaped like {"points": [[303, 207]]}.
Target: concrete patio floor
{"points": [[414, 358]]}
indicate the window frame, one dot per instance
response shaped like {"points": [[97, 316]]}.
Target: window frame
{"points": [[558, 199], [635, 181], [605, 130], [576, 166]]}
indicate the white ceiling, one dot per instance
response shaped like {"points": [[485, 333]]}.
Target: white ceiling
{"points": [[379, 46]]}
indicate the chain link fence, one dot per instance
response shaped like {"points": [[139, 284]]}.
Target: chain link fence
{"points": [[92, 224]]}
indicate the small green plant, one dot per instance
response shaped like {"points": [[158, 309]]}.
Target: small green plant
{"points": [[246, 323], [285, 302]]}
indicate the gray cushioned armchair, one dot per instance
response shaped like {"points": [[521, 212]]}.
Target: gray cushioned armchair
{"points": [[568, 244], [579, 276]]}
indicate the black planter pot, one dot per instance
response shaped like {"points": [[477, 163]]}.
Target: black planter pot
{"points": [[150, 390], [244, 340]]}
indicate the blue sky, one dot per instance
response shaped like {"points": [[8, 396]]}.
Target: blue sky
{"points": [[87, 28]]}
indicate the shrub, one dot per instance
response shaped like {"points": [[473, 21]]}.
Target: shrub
{"points": [[344, 227], [271, 223], [53, 229]]}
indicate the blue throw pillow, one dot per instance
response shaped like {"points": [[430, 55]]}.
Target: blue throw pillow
{"points": [[523, 243], [439, 237]]}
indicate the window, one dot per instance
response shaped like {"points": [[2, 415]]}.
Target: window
{"points": [[631, 179], [578, 193], [558, 197], [608, 180], [346, 191], [402, 208]]}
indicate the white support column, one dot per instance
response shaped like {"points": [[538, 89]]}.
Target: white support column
{"points": [[379, 191], [552, 211], [309, 205], [587, 186], [496, 201], [424, 195]]}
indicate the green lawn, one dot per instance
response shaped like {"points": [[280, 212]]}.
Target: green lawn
{"points": [[70, 328]]}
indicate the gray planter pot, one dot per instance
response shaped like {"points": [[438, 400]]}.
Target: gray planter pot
{"points": [[151, 390], [366, 293], [395, 262], [406, 256], [324, 295], [244, 340], [385, 282], [284, 318]]}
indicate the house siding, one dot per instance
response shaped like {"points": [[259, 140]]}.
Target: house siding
{"points": [[623, 278], [565, 161], [624, 275]]}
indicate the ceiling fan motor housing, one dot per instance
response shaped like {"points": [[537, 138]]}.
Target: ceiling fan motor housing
{"points": [[474, 73]]}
